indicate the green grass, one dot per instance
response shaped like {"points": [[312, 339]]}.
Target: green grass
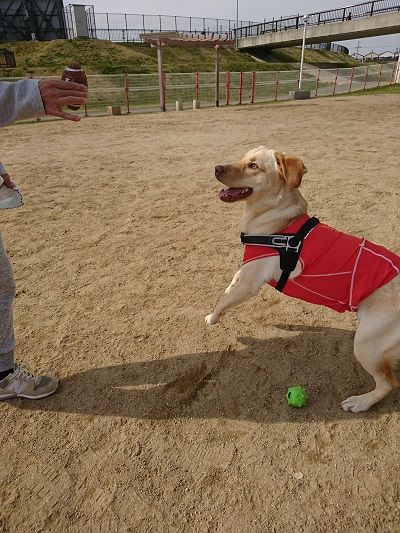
{"points": [[319, 58], [387, 89], [105, 57]]}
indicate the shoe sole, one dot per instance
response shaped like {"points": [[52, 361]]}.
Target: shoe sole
{"points": [[37, 397]]}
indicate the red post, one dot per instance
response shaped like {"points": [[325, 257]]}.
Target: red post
{"points": [[253, 87], [228, 87], [197, 86], [380, 75], [334, 86], [351, 79], [126, 88], [240, 87], [277, 86], [317, 84], [366, 77]]}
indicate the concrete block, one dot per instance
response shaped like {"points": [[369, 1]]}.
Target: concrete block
{"points": [[114, 109], [196, 104], [300, 95], [179, 105]]}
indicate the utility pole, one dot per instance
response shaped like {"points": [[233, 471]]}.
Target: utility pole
{"points": [[305, 20], [237, 24], [397, 76]]}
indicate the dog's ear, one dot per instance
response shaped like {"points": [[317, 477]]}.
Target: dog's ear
{"points": [[291, 169]]}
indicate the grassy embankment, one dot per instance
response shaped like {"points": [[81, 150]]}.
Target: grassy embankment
{"points": [[104, 57], [386, 89]]}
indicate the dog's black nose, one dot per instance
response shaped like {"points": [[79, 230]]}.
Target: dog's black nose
{"points": [[219, 170]]}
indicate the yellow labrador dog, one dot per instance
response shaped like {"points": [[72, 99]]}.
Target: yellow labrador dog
{"points": [[326, 267]]}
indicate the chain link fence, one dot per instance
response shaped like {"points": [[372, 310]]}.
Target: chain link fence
{"points": [[140, 92]]}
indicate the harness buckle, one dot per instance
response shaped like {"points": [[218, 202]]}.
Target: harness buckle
{"points": [[283, 241]]}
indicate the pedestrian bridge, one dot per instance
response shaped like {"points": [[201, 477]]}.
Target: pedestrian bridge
{"points": [[368, 19]]}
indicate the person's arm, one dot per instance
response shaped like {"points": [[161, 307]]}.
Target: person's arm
{"points": [[19, 100], [30, 98], [2, 169]]}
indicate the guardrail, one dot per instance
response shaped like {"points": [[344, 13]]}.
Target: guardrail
{"points": [[124, 27], [356, 11]]}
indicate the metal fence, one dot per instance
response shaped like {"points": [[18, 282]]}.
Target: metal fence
{"points": [[356, 11], [329, 47], [140, 92], [126, 27]]}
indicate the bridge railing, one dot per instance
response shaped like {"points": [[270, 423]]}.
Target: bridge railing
{"points": [[356, 11]]}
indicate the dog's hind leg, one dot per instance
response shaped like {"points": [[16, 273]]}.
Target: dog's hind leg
{"points": [[377, 345]]}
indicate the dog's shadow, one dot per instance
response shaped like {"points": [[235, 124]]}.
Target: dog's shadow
{"points": [[247, 383]]}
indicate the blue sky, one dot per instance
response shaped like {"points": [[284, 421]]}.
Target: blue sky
{"points": [[248, 9]]}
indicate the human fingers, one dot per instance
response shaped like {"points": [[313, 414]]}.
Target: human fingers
{"points": [[7, 181], [71, 100], [50, 92], [62, 84], [67, 92], [66, 116]]}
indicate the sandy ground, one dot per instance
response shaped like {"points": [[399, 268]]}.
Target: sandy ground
{"points": [[163, 424]]}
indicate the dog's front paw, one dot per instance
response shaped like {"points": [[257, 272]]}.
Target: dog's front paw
{"points": [[211, 319], [357, 404]]}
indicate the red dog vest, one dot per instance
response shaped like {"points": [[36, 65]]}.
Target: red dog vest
{"points": [[339, 270]]}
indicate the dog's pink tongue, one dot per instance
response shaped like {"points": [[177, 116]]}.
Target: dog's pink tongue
{"points": [[232, 195]]}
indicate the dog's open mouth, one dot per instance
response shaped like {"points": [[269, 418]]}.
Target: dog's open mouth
{"points": [[234, 195]]}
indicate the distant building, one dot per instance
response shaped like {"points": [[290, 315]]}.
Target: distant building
{"points": [[26, 20]]}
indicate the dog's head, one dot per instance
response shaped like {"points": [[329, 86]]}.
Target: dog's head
{"points": [[260, 172]]}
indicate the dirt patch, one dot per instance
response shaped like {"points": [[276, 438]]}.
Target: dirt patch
{"points": [[161, 423]]}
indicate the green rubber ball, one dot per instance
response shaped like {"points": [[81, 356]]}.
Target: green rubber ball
{"points": [[296, 396]]}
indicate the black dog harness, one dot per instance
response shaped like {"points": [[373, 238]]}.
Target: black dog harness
{"points": [[289, 247]]}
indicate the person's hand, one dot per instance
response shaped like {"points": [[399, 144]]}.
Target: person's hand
{"points": [[57, 93], [7, 181]]}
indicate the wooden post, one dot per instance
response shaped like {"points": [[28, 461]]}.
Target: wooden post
{"points": [[394, 75], [228, 87], [277, 86], [161, 75], [197, 86], [240, 87], [317, 84], [217, 65], [86, 111], [396, 70], [351, 79], [380, 75], [334, 86], [126, 92], [366, 78], [253, 87]]}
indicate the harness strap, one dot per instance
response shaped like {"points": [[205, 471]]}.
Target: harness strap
{"points": [[289, 246]]}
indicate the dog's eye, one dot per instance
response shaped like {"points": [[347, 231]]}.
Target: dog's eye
{"points": [[253, 165]]}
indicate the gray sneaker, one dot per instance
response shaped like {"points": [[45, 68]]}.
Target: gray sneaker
{"points": [[23, 384]]}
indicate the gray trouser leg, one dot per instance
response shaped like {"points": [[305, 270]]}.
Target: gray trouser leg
{"points": [[7, 293]]}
